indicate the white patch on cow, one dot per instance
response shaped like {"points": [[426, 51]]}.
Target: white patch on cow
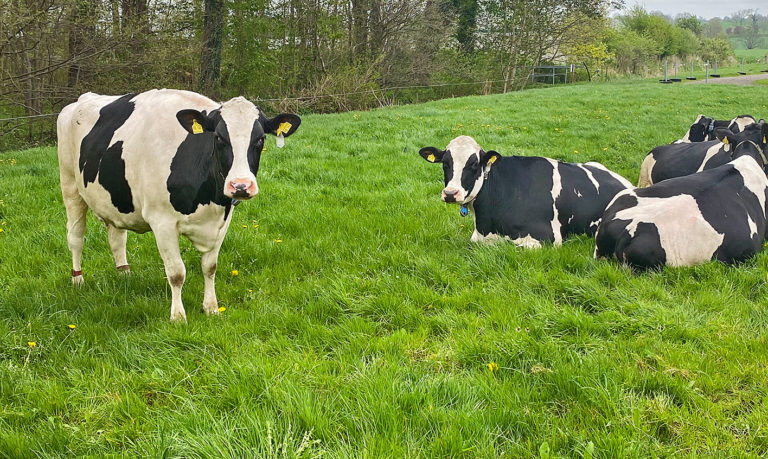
{"points": [[589, 173], [526, 242], [752, 226], [686, 237], [646, 168], [711, 151], [754, 177], [240, 115], [557, 188], [626, 183], [741, 122]]}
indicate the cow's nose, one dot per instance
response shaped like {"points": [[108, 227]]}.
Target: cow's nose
{"points": [[242, 188], [450, 194]]}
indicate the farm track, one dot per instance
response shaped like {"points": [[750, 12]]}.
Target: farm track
{"points": [[741, 80]]}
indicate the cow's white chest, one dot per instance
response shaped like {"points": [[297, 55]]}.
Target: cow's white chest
{"points": [[687, 239]]}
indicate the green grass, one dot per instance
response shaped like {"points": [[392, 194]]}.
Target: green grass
{"points": [[367, 332], [757, 54]]}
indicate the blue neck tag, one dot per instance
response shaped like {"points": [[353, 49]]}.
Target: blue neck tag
{"points": [[463, 210]]}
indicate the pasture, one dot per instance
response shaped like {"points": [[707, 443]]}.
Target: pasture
{"points": [[360, 321]]}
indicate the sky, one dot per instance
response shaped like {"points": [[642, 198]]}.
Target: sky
{"points": [[701, 8]]}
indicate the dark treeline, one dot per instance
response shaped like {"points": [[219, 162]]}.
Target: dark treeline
{"points": [[315, 55], [290, 50]]}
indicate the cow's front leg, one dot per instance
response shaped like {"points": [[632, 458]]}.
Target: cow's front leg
{"points": [[168, 245], [209, 262], [118, 239]]}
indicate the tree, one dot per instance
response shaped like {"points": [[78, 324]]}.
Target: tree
{"points": [[752, 35], [690, 22], [210, 61]]}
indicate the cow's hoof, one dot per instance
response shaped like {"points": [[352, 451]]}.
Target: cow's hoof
{"points": [[211, 309], [179, 317], [124, 269], [78, 280]]}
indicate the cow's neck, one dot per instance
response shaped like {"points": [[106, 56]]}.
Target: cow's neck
{"points": [[483, 205]]}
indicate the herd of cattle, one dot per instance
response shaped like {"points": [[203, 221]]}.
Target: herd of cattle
{"points": [[176, 163], [698, 199]]}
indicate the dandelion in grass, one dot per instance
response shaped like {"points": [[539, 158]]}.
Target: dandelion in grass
{"points": [[493, 366], [32, 343], [235, 273], [245, 226], [71, 326], [278, 241], [576, 151], [222, 309]]}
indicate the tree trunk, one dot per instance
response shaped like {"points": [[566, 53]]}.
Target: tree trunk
{"points": [[210, 62]]}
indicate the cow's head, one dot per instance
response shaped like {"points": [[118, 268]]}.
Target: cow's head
{"points": [[740, 123], [699, 130], [464, 163], [753, 140], [238, 129]]}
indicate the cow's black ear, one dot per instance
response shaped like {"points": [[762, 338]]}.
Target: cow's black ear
{"points": [[489, 157], [724, 135], [194, 121], [432, 154], [284, 123]]}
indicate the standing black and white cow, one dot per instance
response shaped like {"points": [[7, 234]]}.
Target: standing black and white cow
{"points": [[172, 162], [528, 200], [679, 159], [718, 213], [703, 128]]}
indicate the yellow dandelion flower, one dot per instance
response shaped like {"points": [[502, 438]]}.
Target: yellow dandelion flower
{"points": [[222, 309], [71, 326], [1, 230], [32, 343], [245, 226], [575, 151], [278, 240], [605, 149], [234, 272], [493, 366]]}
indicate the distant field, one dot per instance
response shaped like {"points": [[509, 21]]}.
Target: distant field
{"points": [[362, 322], [751, 54]]}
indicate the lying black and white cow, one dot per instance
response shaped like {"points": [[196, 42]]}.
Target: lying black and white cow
{"points": [[703, 128], [172, 162], [679, 159], [528, 200], [719, 214]]}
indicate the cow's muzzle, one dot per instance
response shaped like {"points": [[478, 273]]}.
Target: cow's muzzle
{"points": [[242, 188], [451, 195]]}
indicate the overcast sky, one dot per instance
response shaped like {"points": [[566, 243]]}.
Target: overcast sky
{"points": [[702, 8]]}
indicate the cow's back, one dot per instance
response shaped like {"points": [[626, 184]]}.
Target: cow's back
{"points": [[678, 160]]}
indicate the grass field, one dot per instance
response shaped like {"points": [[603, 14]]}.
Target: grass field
{"points": [[362, 322]]}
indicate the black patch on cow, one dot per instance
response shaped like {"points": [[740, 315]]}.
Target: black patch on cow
{"points": [[470, 173], [447, 167], [641, 250], [97, 158], [198, 171], [255, 146], [677, 160], [516, 199]]}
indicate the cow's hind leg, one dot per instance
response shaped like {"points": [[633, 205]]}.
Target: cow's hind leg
{"points": [[168, 246], [209, 261], [76, 218], [118, 239]]}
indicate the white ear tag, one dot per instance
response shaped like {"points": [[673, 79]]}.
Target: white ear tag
{"points": [[280, 140]]}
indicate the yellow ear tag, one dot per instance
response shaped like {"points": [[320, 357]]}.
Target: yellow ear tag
{"points": [[492, 160], [196, 128], [725, 140], [431, 158], [764, 140], [283, 128]]}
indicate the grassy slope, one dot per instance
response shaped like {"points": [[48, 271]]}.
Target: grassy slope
{"points": [[369, 328]]}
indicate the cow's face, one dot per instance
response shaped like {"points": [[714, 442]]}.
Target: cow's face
{"points": [[463, 165], [239, 128]]}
